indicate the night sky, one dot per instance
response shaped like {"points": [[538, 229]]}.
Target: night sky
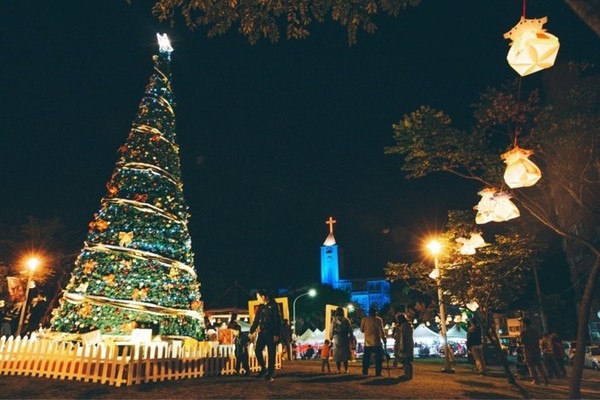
{"points": [[275, 138]]}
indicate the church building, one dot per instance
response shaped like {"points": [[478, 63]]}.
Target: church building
{"points": [[364, 292]]}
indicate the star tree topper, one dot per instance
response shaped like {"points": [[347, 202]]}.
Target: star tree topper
{"points": [[164, 44]]}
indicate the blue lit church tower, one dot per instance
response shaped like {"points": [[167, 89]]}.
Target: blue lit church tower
{"points": [[364, 292], [330, 261]]}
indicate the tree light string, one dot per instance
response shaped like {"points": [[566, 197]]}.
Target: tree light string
{"points": [[129, 305], [167, 83], [145, 207], [161, 100], [145, 128], [140, 254], [153, 169]]}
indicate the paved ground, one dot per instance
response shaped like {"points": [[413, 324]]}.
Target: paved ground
{"points": [[303, 380]]}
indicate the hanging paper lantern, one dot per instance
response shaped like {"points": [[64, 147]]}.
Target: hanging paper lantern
{"points": [[520, 171], [434, 274], [473, 306], [532, 48], [465, 249], [468, 246], [485, 208], [505, 209], [495, 206]]}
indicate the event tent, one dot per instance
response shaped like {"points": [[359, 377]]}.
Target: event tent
{"points": [[456, 332], [423, 333]]}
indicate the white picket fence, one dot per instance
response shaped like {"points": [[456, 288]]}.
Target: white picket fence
{"points": [[123, 364]]}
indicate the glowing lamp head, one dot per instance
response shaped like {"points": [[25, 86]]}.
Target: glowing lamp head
{"points": [[434, 247], [312, 292], [33, 263]]}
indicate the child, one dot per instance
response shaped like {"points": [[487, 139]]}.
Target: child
{"points": [[241, 352], [325, 354]]}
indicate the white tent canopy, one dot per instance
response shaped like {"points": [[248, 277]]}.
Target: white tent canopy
{"points": [[305, 336], [456, 332], [423, 332]]}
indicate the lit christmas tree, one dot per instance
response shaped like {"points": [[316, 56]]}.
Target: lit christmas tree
{"points": [[136, 268]]}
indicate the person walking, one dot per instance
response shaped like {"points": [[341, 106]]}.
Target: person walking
{"points": [[475, 346], [267, 324], [341, 336], [530, 339], [372, 327], [404, 345]]}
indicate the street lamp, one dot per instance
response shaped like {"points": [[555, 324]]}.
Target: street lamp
{"points": [[311, 293], [32, 264], [434, 248]]}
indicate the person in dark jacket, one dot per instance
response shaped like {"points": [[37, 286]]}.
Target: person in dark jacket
{"points": [[404, 345], [475, 346], [267, 323]]}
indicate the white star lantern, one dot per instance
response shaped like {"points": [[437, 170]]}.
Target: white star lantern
{"points": [[532, 48], [434, 274], [495, 206], [164, 44], [520, 171], [473, 306], [468, 246]]}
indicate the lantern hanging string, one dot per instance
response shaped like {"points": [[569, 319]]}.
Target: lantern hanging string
{"points": [[524, 7]]}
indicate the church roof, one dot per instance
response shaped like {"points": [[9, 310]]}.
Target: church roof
{"points": [[330, 240]]}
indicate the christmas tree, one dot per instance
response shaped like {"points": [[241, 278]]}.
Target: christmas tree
{"points": [[136, 269]]}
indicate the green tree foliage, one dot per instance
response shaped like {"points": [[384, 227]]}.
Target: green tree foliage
{"points": [[262, 19], [563, 132], [258, 19]]}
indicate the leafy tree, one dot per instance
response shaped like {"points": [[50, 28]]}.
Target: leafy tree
{"points": [[494, 277], [564, 135], [260, 19]]}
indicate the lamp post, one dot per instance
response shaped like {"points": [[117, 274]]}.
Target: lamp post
{"points": [[311, 293], [32, 264], [435, 247]]}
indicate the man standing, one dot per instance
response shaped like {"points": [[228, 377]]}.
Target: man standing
{"points": [[404, 345], [530, 339], [372, 327], [268, 324], [475, 346]]}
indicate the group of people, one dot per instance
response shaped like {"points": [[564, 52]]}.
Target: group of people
{"points": [[267, 327], [374, 343], [543, 355], [10, 314]]}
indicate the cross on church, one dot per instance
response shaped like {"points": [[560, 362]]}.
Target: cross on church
{"points": [[330, 222]]}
